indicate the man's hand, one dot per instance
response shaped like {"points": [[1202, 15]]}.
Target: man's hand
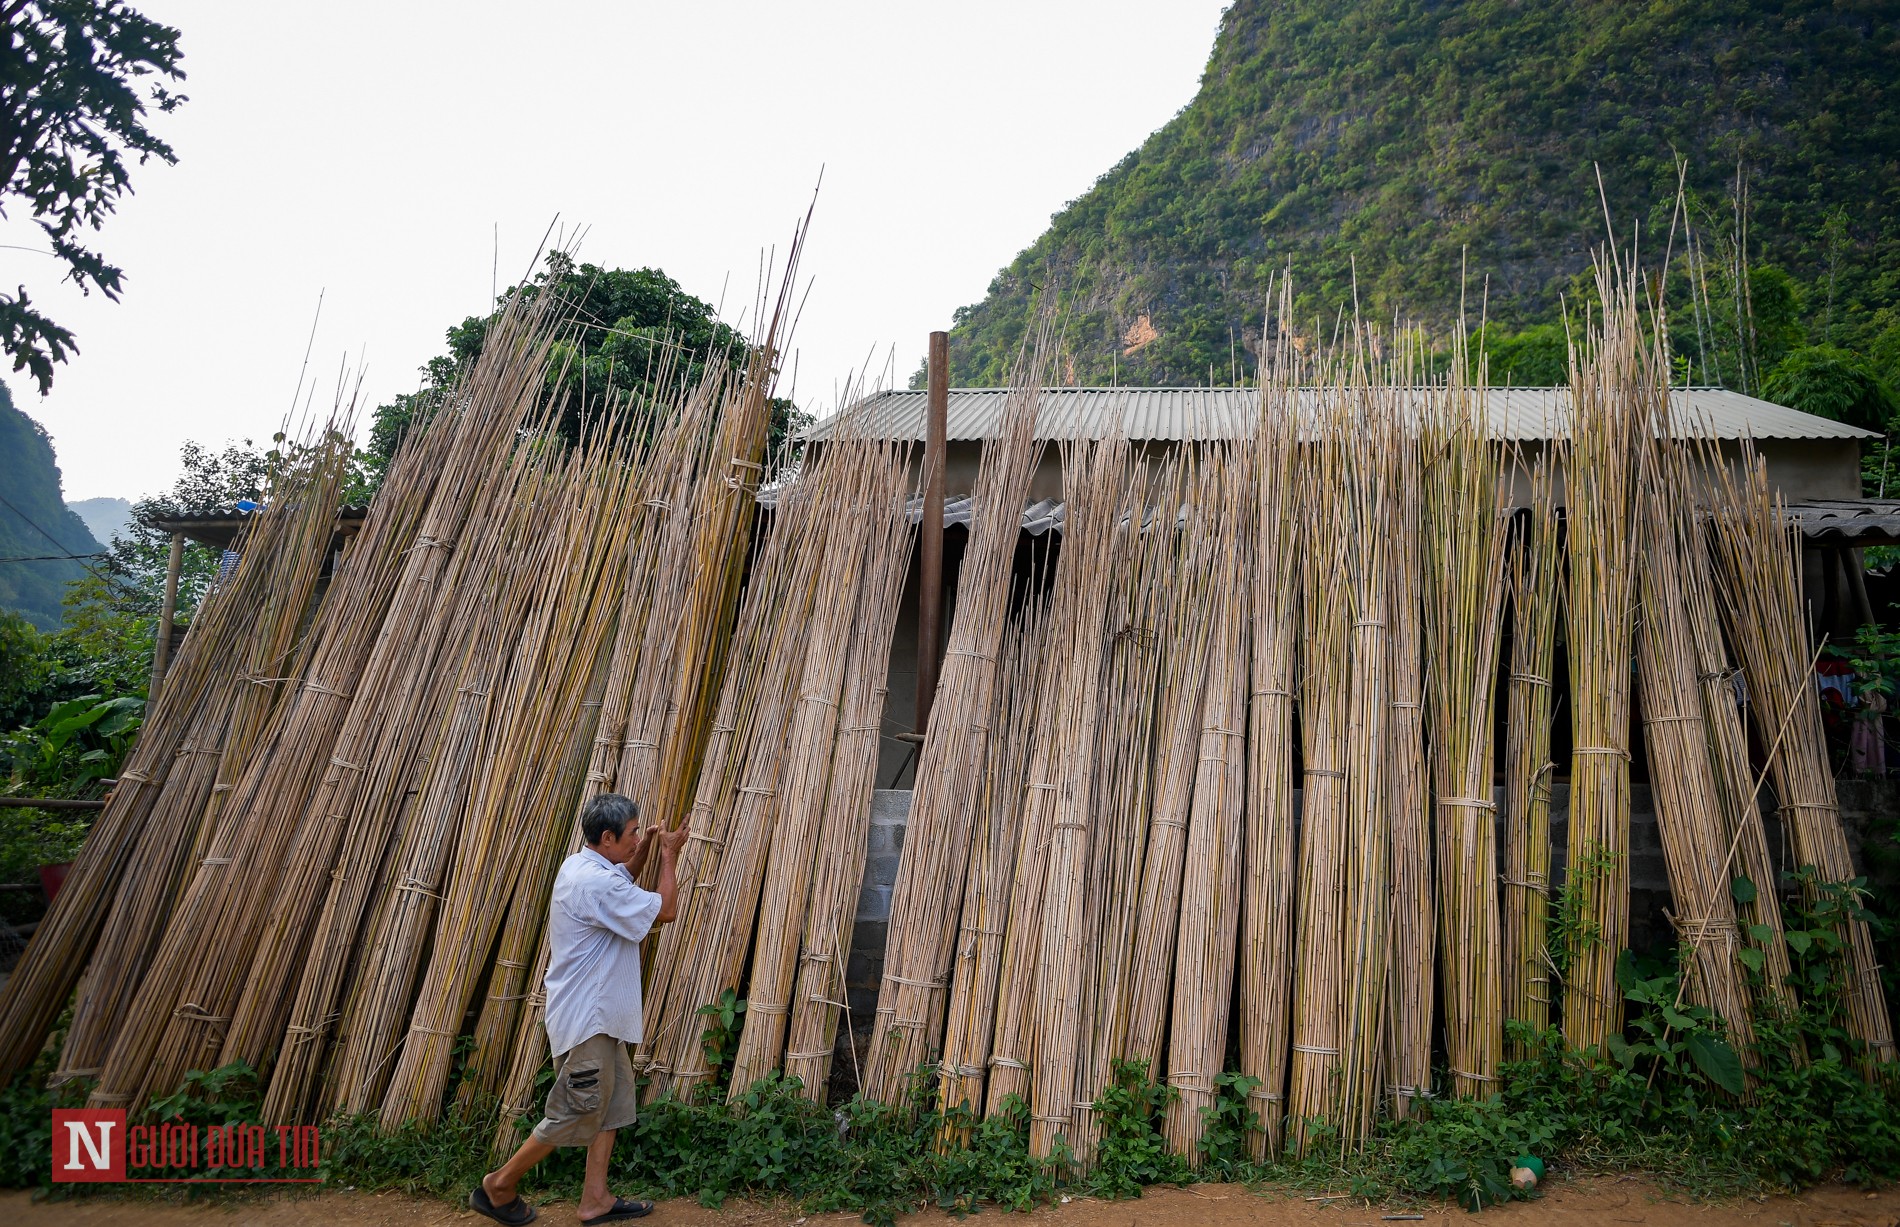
{"points": [[672, 841], [643, 845]]}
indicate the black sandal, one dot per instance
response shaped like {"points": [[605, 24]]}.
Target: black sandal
{"points": [[622, 1211], [514, 1214]]}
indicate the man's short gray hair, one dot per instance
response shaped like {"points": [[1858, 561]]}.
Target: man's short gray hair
{"points": [[608, 813]]}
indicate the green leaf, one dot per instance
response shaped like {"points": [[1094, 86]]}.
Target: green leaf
{"points": [[1717, 1061], [1799, 941], [1743, 890], [1619, 1050], [1754, 960], [1627, 978]]}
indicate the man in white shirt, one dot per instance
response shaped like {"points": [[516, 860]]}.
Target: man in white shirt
{"points": [[597, 918]]}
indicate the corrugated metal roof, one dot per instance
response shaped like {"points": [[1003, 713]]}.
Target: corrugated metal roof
{"points": [[1836, 522], [1217, 413]]}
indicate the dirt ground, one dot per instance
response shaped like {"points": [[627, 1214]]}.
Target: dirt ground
{"points": [[1596, 1200]]}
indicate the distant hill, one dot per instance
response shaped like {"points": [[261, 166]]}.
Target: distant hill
{"points": [[105, 517], [35, 523], [1416, 135]]}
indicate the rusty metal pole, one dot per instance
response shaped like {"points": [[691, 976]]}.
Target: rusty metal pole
{"points": [[162, 650], [930, 539]]}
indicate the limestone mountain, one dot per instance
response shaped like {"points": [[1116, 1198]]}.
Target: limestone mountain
{"points": [[38, 533], [1410, 138]]}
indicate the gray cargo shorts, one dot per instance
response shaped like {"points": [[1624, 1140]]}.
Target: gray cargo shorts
{"points": [[593, 1091]]}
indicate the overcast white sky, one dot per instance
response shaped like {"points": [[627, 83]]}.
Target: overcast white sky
{"points": [[370, 151]]}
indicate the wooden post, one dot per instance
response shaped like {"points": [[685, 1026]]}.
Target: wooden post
{"points": [[162, 650], [930, 540]]}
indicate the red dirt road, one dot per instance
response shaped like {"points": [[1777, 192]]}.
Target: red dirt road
{"points": [[1565, 1203]]}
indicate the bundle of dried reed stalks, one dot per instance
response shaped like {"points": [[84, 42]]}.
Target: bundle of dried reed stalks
{"points": [[929, 887], [235, 669], [1319, 974], [1759, 580], [1599, 462], [1536, 579], [1682, 778], [1212, 856], [1465, 535], [845, 827], [1412, 963], [970, 1020], [1144, 574], [1267, 898], [1098, 484]]}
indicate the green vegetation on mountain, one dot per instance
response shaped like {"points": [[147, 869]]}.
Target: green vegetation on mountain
{"points": [[38, 534], [1392, 151]]}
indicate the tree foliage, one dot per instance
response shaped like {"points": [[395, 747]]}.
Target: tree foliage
{"points": [[636, 336], [74, 88], [1832, 383]]}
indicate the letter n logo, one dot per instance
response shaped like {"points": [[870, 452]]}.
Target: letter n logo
{"points": [[88, 1144]]}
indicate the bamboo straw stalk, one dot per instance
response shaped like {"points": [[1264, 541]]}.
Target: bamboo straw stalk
{"points": [[845, 828], [971, 1017], [1096, 485], [1759, 582], [1742, 828], [1599, 466], [292, 760], [542, 718], [1187, 645], [1368, 870], [1535, 576], [1012, 1049], [1412, 969], [1689, 818], [877, 480], [1319, 974], [1144, 570], [1465, 542], [266, 600], [929, 885], [1210, 890], [1267, 890]]}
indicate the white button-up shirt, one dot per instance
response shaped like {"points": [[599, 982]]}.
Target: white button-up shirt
{"points": [[596, 921]]}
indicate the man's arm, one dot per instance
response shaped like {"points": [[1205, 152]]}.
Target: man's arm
{"points": [[670, 844]]}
